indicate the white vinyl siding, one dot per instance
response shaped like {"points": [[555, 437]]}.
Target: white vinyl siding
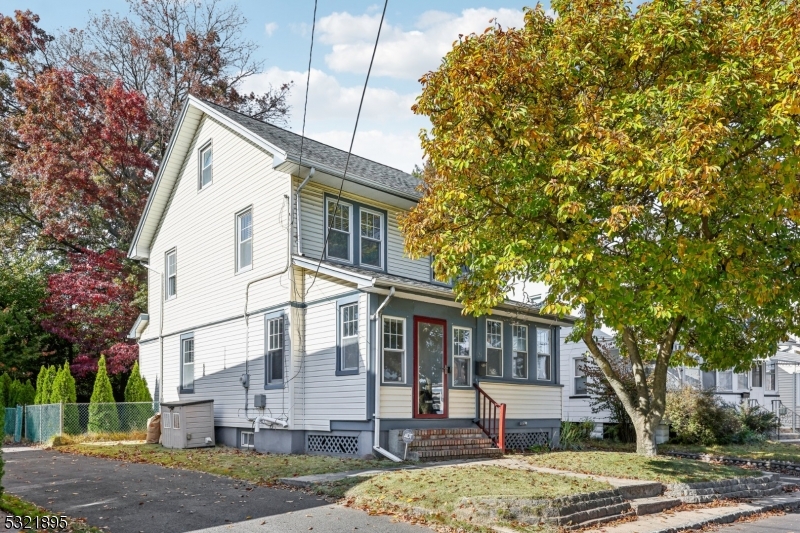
{"points": [[206, 166], [519, 351], [544, 358], [171, 274], [339, 227], [494, 348], [244, 240], [462, 356], [394, 350], [371, 245]]}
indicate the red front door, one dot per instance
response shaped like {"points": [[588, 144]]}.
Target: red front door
{"points": [[430, 368]]}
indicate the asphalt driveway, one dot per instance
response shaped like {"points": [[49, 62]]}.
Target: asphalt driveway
{"points": [[134, 498]]}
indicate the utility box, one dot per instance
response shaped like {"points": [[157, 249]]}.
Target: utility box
{"points": [[187, 424]]}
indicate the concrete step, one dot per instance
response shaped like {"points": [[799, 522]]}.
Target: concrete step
{"points": [[644, 506], [640, 490]]}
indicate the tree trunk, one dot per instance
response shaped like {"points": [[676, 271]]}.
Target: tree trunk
{"points": [[645, 435]]}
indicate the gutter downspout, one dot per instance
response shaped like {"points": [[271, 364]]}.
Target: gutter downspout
{"points": [[377, 440], [246, 376], [311, 173]]}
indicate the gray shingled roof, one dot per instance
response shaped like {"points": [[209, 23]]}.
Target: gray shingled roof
{"points": [[315, 153]]}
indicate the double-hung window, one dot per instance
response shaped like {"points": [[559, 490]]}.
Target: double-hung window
{"points": [[494, 348], [519, 353], [206, 166], [770, 384], [462, 356], [741, 381], [394, 349], [371, 238], [348, 337], [171, 276], [187, 363], [544, 367], [725, 380], [273, 363], [756, 376], [339, 234], [709, 379], [244, 240], [580, 376]]}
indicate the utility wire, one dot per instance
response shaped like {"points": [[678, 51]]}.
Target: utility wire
{"points": [[350, 151]]}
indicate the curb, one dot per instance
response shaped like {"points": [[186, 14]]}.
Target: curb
{"points": [[732, 517]]}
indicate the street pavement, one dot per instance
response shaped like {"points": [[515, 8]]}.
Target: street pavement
{"points": [[788, 523], [133, 498]]}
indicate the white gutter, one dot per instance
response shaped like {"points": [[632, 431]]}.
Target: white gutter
{"points": [[297, 210], [377, 440], [246, 380]]}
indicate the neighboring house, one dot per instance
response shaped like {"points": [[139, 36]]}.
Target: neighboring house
{"points": [[785, 374], [760, 386], [306, 341]]}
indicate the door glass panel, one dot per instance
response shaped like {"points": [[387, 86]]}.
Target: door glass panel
{"points": [[430, 372]]}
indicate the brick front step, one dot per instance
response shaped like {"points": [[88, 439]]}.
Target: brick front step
{"points": [[459, 453]]}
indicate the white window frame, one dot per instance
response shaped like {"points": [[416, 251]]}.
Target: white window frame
{"points": [[342, 337], [380, 239], [247, 443], [490, 347], [276, 347], [208, 147], [184, 364], [746, 375], [458, 356], [549, 354], [514, 351], [767, 386], [239, 241], [402, 352], [575, 377], [719, 380], [328, 229], [170, 274]]}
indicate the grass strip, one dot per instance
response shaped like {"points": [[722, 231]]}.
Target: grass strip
{"points": [[633, 466], [18, 507]]}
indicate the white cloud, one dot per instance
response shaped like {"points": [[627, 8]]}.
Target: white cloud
{"points": [[403, 54], [388, 130], [270, 28]]}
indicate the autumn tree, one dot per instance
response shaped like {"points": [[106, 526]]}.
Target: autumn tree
{"points": [[642, 163]]}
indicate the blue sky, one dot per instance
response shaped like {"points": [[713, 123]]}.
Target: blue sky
{"points": [[415, 36]]}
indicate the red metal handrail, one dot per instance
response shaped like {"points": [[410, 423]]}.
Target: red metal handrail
{"points": [[490, 417]]}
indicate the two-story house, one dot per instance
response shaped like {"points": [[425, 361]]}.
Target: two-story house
{"points": [[279, 288]]}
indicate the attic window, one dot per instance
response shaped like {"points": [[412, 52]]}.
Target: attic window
{"points": [[206, 165]]}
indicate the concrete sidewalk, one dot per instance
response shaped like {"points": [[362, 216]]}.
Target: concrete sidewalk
{"points": [[132, 498], [695, 519]]}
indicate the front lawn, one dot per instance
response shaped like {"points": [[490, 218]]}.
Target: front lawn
{"points": [[231, 462], [766, 451], [633, 466], [432, 494]]}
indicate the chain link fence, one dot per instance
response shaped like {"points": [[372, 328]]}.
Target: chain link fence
{"points": [[43, 422]]}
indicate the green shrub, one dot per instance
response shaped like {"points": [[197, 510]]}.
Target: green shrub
{"points": [[574, 435], [136, 390], [6, 380], [698, 417], [103, 416], [758, 420], [63, 391], [42, 386]]}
